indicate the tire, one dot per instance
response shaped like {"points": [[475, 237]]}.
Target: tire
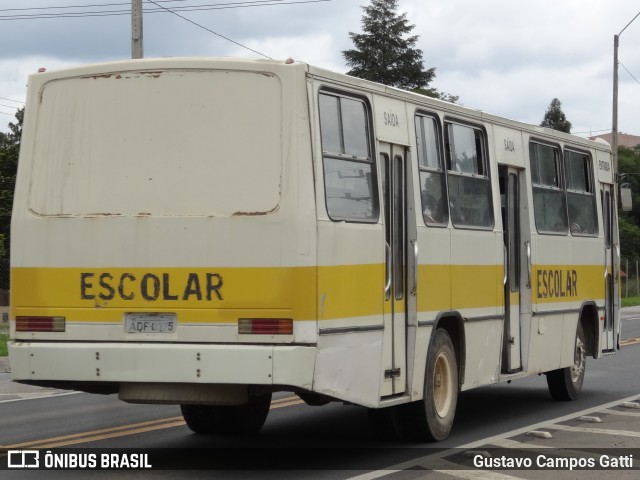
{"points": [[245, 419], [566, 383], [431, 418]]}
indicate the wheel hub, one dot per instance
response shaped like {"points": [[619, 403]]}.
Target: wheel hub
{"points": [[578, 362], [442, 385]]}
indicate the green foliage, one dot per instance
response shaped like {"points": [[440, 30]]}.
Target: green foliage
{"points": [[631, 301], [4, 338], [629, 224], [629, 283], [555, 118], [9, 149], [433, 93], [385, 52], [629, 238], [629, 166]]}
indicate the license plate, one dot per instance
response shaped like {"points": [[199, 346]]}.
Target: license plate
{"points": [[150, 323]]}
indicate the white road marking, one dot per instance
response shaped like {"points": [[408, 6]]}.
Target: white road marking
{"points": [[598, 431], [33, 396], [548, 423], [435, 461]]}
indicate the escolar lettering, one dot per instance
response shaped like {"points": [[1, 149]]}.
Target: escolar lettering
{"points": [[557, 283], [150, 287]]}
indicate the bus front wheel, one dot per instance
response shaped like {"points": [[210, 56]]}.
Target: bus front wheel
{"points": [[244, 419]]}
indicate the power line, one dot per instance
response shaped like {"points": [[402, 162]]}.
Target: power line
{"points": [[160, 9], [62, 7], [630, 74], [211, 31], [11, 100], [95, 5]]}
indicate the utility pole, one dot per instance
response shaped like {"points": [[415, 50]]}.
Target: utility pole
{"points": [[136, 29], [614, 122]]}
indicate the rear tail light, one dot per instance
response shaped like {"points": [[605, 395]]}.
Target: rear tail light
{"points": [[265, 326], [40, 324]]}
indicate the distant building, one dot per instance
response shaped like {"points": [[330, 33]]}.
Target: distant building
{"points": [[623, 139]]}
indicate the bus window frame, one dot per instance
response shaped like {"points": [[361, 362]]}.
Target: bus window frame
{"points": [[562, 185], [442, 170], [486, 164], [341, 156], [591, 185]]}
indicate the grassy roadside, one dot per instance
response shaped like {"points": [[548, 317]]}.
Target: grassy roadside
{"points": [[4, 338], [631, 301]]}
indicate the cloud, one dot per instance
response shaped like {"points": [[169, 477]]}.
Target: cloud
{"points": [[512, 58], [79, 38], [507, 58], [316, 49], [13, 81]]}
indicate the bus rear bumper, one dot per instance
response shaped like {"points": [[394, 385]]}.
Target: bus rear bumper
{"points": [[36, 362]]}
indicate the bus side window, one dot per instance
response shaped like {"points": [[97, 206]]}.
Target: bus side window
{"points": [[349, 180], [470, 200], [549, 201], [581, 199], [432, 180]]}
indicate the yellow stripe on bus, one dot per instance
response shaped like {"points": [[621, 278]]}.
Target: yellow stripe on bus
{"points": [[453, 287], [567, 283], [203, 294], [222, 295]]}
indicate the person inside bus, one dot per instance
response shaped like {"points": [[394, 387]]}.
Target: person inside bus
{"points": [[432, 210], [574, 225]]}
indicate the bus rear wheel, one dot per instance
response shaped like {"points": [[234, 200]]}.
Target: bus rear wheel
{"points": [[431, 418], [244, 419], [566, 383]]}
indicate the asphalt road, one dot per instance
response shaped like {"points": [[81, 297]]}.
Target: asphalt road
{"points": [[296, 434]]}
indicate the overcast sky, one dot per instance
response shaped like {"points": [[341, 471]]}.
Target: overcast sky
{"points": [[507, 57]]}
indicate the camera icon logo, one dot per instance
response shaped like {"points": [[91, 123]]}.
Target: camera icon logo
{"points": [[23, 459]]}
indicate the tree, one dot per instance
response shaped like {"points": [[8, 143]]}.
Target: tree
{"points": [[629, 167], [629, 238], [555, 118], [386, 53], [9, 149]]}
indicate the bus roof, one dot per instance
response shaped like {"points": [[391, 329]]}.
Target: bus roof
{"points": [[205, 63]]}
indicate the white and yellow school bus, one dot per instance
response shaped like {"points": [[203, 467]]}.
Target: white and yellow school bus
{"points": [[205, 232]]}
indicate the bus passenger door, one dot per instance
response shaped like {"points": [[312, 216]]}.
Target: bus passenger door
{"points": [[517, 291], [610, 327], [393, 164]]}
